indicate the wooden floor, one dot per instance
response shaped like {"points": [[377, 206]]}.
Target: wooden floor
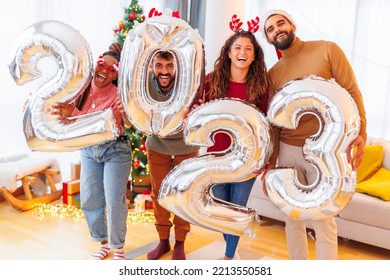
{"points": [[28, 236]]}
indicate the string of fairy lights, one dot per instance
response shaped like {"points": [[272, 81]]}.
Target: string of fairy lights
{"points": [[69, 211]]}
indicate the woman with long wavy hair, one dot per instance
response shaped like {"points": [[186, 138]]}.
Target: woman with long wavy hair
{"points": [[239, 72]]}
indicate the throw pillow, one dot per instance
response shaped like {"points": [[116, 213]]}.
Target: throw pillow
{"points": [[371, 162], [378, 185]]}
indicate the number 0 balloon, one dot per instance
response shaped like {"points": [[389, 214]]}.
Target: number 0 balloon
{"points": [[160, 33], [339, 126], [72, 56]]}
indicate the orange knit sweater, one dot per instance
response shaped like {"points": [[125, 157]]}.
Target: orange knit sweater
{"points": [[321, 58]]}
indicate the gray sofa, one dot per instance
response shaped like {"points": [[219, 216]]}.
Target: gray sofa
{"points": [[365, 219]]}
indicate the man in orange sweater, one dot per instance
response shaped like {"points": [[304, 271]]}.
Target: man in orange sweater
{"points": [[301, 59]]}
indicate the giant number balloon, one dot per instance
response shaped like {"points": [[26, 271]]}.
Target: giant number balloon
{"points": [[72, 57], [327, 150], [160, 33], [185, 191]]}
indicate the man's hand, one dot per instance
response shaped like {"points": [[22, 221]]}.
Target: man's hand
{"points": [[356, 158]]}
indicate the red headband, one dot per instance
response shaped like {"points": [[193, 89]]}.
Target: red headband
{"points": [[253, 25], [154, 13]]}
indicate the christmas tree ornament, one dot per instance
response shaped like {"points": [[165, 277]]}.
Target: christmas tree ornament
{"points": [[132, 15]]}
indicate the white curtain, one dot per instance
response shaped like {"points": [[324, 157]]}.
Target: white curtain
{"points": [[359, 27]]}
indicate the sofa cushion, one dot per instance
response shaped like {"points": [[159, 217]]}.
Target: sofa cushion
{"points": [[371, 162], [367, 210], [386, 149], [378, 185]]}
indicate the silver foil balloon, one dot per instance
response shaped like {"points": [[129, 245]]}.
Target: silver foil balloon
{"points": [[326, 150], [71, 54], [185, 191], [161, 33]]}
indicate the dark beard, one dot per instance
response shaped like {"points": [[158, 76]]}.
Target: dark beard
{"points": [[286, 43], [171, 81]]}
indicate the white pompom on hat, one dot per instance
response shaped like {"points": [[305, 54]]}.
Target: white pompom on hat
{"points": [[264, 18]]}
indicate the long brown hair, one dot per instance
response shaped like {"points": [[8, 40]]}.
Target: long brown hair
{"points": [[257, 83]]}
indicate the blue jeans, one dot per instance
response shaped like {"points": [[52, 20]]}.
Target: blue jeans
{"points": [[237, 193], [105, 171]]}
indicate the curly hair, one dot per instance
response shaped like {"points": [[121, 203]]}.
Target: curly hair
{"points": [[114, 54], [116, 47], [257, 83]]}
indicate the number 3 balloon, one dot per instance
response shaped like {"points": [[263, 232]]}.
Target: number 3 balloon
{"points": [[339, 126], [160, 33], [72, 57], [185, 191]]}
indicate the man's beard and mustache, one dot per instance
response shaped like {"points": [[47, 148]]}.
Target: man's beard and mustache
{"points": [[284, 44], [170, 82]]}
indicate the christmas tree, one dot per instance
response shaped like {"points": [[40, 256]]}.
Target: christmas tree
{"points": [[139, 171], [132, 14]]}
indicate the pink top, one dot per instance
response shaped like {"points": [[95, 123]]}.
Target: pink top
{"points": [[100, 99]]}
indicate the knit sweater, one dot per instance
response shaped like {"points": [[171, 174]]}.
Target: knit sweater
{"points": [[222, 141], [321, 58], [99, 99]]}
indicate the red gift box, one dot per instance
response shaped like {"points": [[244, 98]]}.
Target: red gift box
{"points": [[70, 190]]}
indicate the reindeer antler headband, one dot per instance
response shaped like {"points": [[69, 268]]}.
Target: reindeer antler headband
{"points": [[253, 24], [155, 13]]}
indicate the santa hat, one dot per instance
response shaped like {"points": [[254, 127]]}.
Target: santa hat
{"points": [[271, 13]]}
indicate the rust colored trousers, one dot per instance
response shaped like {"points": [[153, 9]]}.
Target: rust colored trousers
{"points": [[159, 166]]}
